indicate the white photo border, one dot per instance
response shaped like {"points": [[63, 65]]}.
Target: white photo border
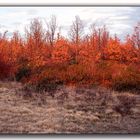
{"points": [[75, 3], [69, 2]]}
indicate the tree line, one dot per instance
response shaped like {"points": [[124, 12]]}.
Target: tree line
{"points": [[45, 57]]}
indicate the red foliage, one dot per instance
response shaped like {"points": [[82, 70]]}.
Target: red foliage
{"points": [[97, 59]]}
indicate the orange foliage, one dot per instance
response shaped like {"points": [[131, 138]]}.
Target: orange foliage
{"points": [[60, 53], [97, 59]]}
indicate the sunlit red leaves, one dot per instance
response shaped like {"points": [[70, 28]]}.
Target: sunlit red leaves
{"points": [[97, 59], [61, 51]]}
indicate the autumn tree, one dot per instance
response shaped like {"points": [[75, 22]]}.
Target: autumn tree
{"points": [[136, 36], [36, 39], [76, 30], [5, 64], [15, 49], [35, 34], [52, 26], [43, 57], [99, 36]]}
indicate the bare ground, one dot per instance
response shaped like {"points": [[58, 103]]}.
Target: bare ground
{"points": [[71, 110]]}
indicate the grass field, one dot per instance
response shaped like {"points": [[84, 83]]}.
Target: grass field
{"points": [[67, 110]]}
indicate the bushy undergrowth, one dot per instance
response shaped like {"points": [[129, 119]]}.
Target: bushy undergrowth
{"points": [[96, 60], [128, 79]]}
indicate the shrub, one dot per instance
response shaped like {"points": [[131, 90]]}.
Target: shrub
{"points": [[47, 85], [23, 70], [78, 74], [4, 70], [126, 102], [22, 73], [128, 79]]}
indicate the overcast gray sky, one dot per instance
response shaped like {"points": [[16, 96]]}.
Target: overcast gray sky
{"points": [[119, 20]]}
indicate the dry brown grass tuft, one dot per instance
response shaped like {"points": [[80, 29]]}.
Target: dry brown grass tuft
{"points": [[71, 110]]}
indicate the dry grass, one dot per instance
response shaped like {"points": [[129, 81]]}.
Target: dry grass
{"points": [[71, 110]]}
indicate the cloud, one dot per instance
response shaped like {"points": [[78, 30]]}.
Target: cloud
{"points": [[32, 12], [16, 23], [2, 26], [119, 20]]}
